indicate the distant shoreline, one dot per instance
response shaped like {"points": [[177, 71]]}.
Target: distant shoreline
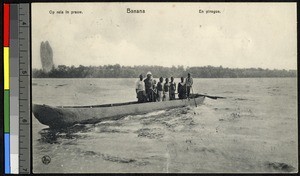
{"points": [[118, 71], [163, 77]]}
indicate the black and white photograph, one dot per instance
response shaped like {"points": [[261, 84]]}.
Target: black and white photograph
{"points": [[164, 87]]}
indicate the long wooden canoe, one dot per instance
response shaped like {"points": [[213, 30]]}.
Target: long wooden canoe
{"points": [[64, 116]]}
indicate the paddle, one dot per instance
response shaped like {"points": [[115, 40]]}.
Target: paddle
{"points": [[194, 96], [209, 96], [212, 97]]}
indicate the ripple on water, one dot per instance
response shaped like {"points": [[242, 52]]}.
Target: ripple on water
{"points": [[281, 167], [152, 133], [112, 158]]}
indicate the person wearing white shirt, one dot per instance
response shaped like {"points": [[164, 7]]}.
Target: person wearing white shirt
{"points": [[189, 84], [140, 90]]}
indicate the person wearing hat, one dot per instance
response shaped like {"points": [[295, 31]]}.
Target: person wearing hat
{"points": [[140, 90], [149, 86], [189, 83]]}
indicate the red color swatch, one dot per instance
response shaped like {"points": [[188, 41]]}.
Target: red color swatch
{"points": [[6, 25]]}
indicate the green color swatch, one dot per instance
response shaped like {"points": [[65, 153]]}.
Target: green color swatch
{"points": [[6, 111]]}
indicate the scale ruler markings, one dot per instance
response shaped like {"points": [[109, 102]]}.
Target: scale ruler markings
{"points": [[24, 90]]}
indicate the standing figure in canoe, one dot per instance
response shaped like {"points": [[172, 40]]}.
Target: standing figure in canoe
{"points": [[154, 91], [166, 90], [182, 89], [149, 87], [160, 89], [172, 89], [189, 84], [140, 90]]}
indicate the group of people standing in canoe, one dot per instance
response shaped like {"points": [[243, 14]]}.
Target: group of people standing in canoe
{"points": [[148, 90]]}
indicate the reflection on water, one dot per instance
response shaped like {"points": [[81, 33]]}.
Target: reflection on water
{"points": [[253, 130]]}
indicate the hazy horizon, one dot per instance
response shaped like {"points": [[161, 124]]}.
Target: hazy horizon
{"points": [[185, 67], [243, 35]]}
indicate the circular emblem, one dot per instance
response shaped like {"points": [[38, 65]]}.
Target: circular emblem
{"points": [[46, 159]]}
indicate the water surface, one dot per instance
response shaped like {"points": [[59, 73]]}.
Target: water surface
{"points": [[253, 130]]}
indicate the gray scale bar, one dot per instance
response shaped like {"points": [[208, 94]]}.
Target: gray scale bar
{"points": [[14, 88], [14, 65]]}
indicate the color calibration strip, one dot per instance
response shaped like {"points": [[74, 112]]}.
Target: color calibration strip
{"points": [[17, 104], [6, 35]]}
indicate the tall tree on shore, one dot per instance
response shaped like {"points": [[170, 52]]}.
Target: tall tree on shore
{"points": [[46, 56]]}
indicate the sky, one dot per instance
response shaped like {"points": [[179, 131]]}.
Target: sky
{"points": [[242, 35]]}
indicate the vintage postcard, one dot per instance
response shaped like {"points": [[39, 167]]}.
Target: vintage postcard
{"points": [[164, 87]]}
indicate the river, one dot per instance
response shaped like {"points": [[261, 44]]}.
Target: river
{"points": [[253, 130]]}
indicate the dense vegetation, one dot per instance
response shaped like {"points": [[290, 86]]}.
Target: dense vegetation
{"points": [[117, 71]]}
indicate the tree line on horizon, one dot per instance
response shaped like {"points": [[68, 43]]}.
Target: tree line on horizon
{"points": [[118, 71]]}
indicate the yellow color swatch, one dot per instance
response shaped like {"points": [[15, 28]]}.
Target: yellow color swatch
{"points": [[6, 68]]}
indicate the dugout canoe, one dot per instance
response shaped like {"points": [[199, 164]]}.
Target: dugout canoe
{"points": [[65, 116]]}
